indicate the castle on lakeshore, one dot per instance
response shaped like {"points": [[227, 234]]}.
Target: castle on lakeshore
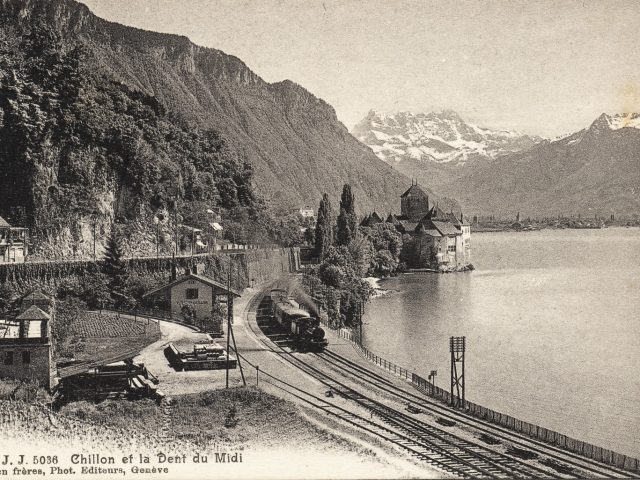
{"points": [[431, 237]]}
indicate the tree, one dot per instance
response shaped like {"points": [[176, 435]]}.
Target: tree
{"points": [[218, 316], [6, 297], [115, 269], [67, 312], [384, 264], [97, 291], [384, 236], [347, 220], [114, 264], [324, 227]]}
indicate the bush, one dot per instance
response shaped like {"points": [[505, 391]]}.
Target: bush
{"points": [[7, 295], [96, 292], [188, 312]]}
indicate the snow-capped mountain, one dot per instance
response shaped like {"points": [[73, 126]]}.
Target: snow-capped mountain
{"points": [[441, 137], [603, 124], [617, 121]]}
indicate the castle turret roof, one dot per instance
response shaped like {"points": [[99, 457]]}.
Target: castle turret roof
{"points": [[453, 219], [415, 191], [392, 219]]}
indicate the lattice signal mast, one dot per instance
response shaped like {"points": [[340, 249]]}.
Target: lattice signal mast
{"points": [[457, 348]]}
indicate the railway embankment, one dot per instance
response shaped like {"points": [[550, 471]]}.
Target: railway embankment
{"points": [[278, 376]]}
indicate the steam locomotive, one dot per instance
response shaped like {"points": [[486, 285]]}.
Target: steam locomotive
{"points": [[304, 330]]}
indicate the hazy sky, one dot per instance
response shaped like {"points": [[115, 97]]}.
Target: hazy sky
{"points": [[542, 67]]}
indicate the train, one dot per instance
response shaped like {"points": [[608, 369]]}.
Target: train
{"points": [[304, 330]]}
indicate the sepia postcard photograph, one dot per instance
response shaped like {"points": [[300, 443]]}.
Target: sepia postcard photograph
{"points": [[319, 239]]}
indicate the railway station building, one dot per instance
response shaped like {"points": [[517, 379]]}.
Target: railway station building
{"points": [[201, 293]]}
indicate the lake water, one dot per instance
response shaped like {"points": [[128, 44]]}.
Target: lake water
{"points": [[552, 321]]}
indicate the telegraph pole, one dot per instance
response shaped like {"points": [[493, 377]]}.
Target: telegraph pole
{"points": [[156, 220], [94, 239], [175, 220], [457, 348], [230, 330], [235, 349], [229, 313]]}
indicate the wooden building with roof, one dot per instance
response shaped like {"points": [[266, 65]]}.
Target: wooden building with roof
{"points": [[25, 345], [13, 243]]}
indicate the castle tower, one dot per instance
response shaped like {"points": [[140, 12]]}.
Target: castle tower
{"points": [[414, 203]]}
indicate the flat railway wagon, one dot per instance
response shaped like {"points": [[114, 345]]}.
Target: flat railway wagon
{"points": [[204, 356], [303, 329]]}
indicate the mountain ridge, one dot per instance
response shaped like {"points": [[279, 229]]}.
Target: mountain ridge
{"points": [[292, 138], [593, 171]]}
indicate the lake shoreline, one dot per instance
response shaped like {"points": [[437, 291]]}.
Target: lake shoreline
{"points": [[538, 313]]}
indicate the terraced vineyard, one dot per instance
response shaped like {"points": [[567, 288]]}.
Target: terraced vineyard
{"points": [[108, 325], [96, 337]]}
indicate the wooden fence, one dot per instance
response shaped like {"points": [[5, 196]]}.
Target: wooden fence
{"points": [[384, 363], [534, 431]]}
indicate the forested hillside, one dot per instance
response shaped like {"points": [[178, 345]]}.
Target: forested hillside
{"points": [[78, 147]]}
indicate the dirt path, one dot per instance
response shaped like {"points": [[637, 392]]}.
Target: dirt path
{"points": [[179, 383]]}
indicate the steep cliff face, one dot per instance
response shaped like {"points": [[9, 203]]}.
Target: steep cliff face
{"points": [[80, 148], [293, 140]]}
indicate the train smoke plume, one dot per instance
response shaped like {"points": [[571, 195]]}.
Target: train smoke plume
{"points": [[296, 291]]}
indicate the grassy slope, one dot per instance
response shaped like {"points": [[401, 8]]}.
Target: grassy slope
{"points": [[264, 421]]}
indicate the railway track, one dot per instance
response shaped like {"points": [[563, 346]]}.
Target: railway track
{"points": [[436, 446], [420, 452], [566, 458]]}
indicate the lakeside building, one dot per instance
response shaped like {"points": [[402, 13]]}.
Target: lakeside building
{"points": [[431, 237], [25, 342], [13, 243]]}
